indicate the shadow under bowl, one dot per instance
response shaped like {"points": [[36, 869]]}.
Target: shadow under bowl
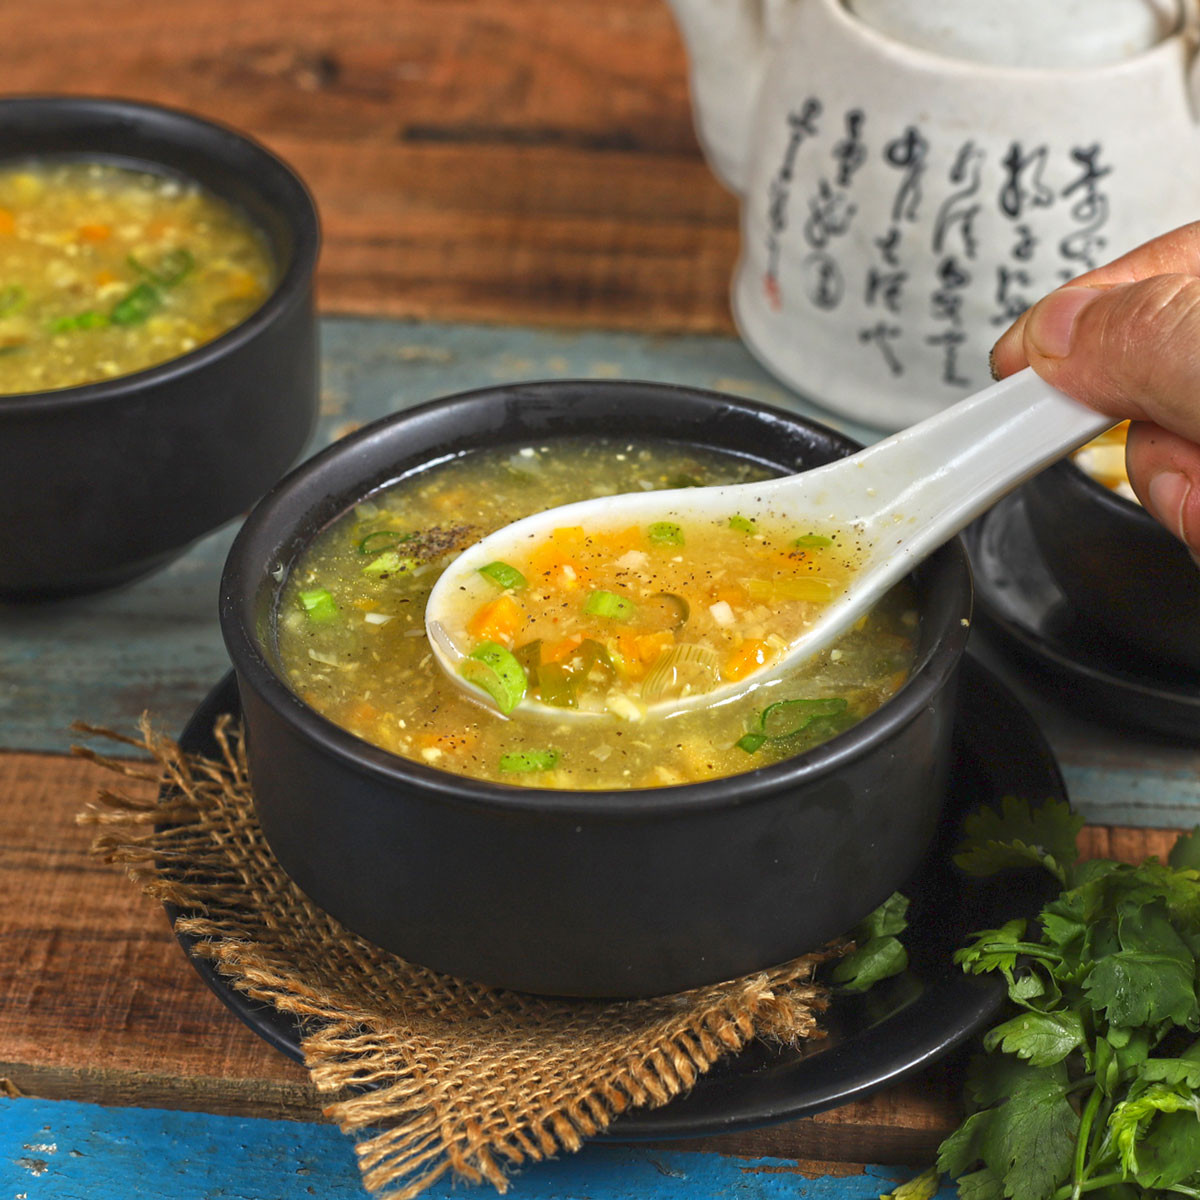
{"points": [[104, 482], [598, 893], [1118, 568]]}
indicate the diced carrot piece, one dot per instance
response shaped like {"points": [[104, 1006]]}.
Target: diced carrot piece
{"points": [[94, 233], [7, 221], [749, 656], [628, 660], [243, 286], [496, 621], [451, 743], [650, 645], [105, 277], [362, 713], [562, 650], [552, 566], [619, 541], [733, 595]]}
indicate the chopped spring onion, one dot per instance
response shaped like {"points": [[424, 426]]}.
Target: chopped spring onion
{"points": [[504, 575], [496, 671], [389, 563], [813, 539], [741, 524], [84, 320], [137, 305], [319, 604], [383, 539], [665, 533], [751, 742], [528, 760], [610, 605], [786, 718], [169, 269], [12, 299]]}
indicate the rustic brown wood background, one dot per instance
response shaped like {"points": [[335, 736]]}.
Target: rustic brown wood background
{"points": [[524, 161]]}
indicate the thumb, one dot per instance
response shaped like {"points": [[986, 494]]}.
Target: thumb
{"points": [[1132, 351]]}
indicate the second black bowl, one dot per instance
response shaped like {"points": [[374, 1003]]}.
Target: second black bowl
{"points": [[1123, 574], [101, 483], [615, 893]]}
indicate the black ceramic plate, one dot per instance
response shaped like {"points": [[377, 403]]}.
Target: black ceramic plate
{"points": [[1079, 666], [900, 1026]]}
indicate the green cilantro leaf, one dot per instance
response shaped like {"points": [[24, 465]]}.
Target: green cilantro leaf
{"points": [[879, 958], [878, 953], [1020, 836], [1042, 1038], [1185, 854]]}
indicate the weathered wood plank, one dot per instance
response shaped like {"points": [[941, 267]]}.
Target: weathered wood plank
{"points": [[516, 160], [101, 1005]]}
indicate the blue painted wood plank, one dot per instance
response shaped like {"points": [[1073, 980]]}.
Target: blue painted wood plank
{"points": [[155, 645], [61, 1150]]}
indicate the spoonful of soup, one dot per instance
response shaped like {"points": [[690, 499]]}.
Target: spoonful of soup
{"points": [[713, 591]]}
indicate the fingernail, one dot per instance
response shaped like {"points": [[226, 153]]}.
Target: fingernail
{"points": [[1167, 493], [1051, 321]]}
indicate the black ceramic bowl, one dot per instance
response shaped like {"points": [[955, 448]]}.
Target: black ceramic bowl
{"points": [[1122, 573], [617, 893], [104, 482]]}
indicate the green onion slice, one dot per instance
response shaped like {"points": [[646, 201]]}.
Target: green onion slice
{"points": [[169, 269], [84, 320], [525, 761], [610, 605], [12, 299], [741, 524], [383, 539], [665, 533], [788, 717], [319, 604], [503, 574], [389, 563], [496, 671], [136, 306], [813, 539], [751, 742]]}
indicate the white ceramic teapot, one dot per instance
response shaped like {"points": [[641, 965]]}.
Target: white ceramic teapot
{"points": [[914, 174]]}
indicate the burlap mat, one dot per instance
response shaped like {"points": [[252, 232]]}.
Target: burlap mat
{"points": [[431, 1074]]}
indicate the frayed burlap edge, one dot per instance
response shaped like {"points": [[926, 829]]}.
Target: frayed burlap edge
{"points": [[431, 1074]]}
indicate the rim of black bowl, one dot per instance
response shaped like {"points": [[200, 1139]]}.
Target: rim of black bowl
{"points": [[249, 559], [1122, 506], [247, 154]]}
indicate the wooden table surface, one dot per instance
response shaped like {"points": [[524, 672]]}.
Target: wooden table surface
{"points": [[515, 184]]}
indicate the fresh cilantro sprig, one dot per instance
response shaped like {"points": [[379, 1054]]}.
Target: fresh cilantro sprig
{"points": [[878, 952], [1092, 1085]]}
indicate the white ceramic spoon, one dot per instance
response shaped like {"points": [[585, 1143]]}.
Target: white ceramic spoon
{"points": [[902, 498]]}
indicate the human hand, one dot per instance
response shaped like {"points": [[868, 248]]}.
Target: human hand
{"points": [[1125, 339]]}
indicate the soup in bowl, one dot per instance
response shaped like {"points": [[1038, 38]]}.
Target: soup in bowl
{"points": [[626, 857], [157, 335]]}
